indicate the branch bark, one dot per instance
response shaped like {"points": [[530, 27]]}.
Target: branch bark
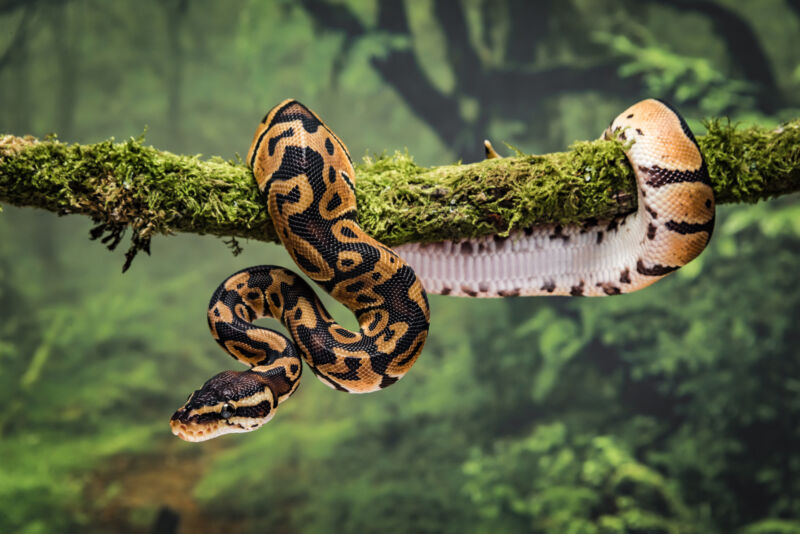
{"points": [[121, 185]]}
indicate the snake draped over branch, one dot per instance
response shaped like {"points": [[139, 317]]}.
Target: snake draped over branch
{"points": [[306, 176]]}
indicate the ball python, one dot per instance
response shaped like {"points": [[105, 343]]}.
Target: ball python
{"points": [[306, 177]]}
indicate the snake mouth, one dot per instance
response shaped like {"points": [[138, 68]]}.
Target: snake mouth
{"points": [[185, 426], [189, 425], [189, 430]]}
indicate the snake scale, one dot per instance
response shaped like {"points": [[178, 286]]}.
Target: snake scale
{"points": [[306, 177]]}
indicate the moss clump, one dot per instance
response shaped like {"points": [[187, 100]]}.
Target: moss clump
{"points": [[121, 185]]}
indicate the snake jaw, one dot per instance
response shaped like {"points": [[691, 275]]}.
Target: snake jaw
{"points": [[188, 430], [227, 403], [191, 426]]}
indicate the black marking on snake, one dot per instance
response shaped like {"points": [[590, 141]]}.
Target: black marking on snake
{"points": [[625, 277], [305, 263], [261, 409], [654, 270], [347, 179], [273, 141], [329, 146], [558, 233], [651, 211], [549, 286], [374, 322], [355, 287], [466, 247], [295, 161], [690, 228], [310, 122], [387, 381], [469, 291], [347, 232], [331, 174], [334, 202], [577, 291], [509, 292], [609, 288], [600, 235], [346, 333], [651, 231], [660, 177], [588, 224], [528, 231], [258, 145]]}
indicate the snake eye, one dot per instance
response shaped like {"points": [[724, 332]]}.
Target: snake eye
{"points": [[227, 411]]}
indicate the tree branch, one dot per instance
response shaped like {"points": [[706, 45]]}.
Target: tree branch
{"points": [[131, 185]]}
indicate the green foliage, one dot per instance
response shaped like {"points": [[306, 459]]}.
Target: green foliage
{"points": [[683, 78], [551, 481]]}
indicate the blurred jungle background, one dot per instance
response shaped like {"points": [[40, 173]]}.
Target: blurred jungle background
{"points": [[673, 410]]}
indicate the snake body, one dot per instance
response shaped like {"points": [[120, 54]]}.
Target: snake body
{"points": [[672, 225], [305, 175]]}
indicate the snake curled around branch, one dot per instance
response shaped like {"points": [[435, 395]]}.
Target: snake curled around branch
{"points": [[305, 175]]}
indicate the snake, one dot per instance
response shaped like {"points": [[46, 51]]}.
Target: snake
{"points": [[305, 175]]}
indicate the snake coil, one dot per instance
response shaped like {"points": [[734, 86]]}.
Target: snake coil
{"points": [[305, 175]]}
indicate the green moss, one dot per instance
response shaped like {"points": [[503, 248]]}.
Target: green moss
{"points": [[121, 185]]}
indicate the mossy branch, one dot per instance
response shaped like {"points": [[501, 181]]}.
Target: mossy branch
{"points": [[122, 185]]}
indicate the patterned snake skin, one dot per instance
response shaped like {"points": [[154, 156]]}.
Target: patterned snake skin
{"points": [[306, 176]]}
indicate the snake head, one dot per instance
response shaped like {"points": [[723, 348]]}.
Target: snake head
{"points": [[232, 401]]}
